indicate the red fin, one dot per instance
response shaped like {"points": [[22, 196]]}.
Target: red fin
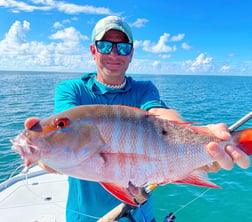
{"points": [[243, 138], [119, 192], [198, 178]]}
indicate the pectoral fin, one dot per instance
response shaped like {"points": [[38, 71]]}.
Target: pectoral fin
{"points": [[119, 192], [198, 178]]}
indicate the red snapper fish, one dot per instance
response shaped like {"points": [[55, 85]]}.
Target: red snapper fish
{"points": [[119, 145]]}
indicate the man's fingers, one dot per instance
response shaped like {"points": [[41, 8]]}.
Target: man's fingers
{"points": [[224, 160], [220, 130], [238, 156]]}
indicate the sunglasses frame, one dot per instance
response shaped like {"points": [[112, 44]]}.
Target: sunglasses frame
{"points": [[116, 44]]}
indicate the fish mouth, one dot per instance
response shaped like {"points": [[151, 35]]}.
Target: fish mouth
{"points": [[29, 152]]}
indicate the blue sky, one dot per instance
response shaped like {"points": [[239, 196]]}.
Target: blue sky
{"points": [[170, 36]]}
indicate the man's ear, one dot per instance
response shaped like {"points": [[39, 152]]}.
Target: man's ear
{"points": [[92, 49]]}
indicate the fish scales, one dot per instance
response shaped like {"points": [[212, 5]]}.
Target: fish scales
{"points": [[143, 137], [127, 129], [135, 127], [141, 124], [119, 145]]}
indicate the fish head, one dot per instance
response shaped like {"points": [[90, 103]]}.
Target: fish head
{"points": [[28, 151], [57, 139]]}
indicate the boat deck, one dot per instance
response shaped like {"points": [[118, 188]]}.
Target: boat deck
{"points": [[41, 198]]}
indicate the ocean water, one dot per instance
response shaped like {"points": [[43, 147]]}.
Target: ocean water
{"points": [[204, 99]]}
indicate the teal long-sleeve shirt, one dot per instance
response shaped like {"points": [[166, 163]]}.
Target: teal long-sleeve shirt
{"points": [[88, 201]]}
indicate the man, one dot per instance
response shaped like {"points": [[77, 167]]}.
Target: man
{"points": [[112, 50]]}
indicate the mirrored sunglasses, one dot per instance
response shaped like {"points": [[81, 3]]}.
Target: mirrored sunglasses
{"points": [[105, 47]]}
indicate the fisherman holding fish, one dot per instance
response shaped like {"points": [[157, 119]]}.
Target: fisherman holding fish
{"points": [[112, 50]]}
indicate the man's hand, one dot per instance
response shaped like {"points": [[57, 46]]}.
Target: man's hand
{"points": [[230, 155]]}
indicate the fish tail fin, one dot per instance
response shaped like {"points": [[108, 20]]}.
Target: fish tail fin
{"points": [[243, 138]]}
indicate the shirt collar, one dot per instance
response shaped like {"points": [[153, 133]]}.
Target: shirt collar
{"points": [[98, 88]]}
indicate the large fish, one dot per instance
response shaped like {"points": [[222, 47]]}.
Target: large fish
{"points": [[119, 146]]}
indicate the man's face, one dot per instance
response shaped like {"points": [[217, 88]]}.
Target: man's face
{"points": [[112, 64]]}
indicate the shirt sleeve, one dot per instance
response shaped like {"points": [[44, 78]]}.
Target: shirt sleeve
{"points": [[66, 96], [150, 97]]}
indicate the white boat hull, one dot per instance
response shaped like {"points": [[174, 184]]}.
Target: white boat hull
{"points": [[40, 198]]}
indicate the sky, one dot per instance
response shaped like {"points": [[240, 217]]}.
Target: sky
{"points": [[170, 36]]}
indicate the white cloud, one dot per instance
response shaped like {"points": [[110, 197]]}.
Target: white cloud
{"points": [[17, 6], [66, 21], [70, 38], [225, 68], [138, 43], [156, 63], [58, 25], [200, 64], [185, 46], [68, 34], [75, 9], [75, 19], [159, 47], [140, 22], [65, 52], [14, 42], [47, 5], [149, 66], [65, 49], [18, 30], [165, 56], [177, 38]]}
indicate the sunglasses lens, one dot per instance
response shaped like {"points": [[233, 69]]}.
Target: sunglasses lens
{"points": [[123, 48], [105, 47]]}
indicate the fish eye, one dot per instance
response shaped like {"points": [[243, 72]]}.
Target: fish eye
{"points": [[61, 123]]}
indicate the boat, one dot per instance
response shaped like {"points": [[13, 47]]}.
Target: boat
{"points": [[34, 196]]}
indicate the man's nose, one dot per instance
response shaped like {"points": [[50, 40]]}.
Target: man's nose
{"points": [[114, 51]]}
